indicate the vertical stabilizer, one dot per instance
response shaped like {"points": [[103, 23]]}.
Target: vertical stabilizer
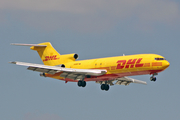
{"points": [[47, 53]]}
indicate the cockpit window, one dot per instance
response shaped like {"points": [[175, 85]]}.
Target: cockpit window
{"points": [[160, 59]]}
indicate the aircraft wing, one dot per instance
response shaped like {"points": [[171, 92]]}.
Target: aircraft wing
{"points": [[127, 81], [122, 81], [67, 72]]}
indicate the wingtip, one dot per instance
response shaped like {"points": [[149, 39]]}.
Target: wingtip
{"points": [[12, 44], [15, 43], [144, 83], [12, 62]]}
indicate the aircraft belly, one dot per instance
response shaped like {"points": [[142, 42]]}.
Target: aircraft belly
{"points": [[105, 77]]}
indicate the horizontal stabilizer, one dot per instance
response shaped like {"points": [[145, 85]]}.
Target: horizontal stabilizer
{"points": [[36, 45]]}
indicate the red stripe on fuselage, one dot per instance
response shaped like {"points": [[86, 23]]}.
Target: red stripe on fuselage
{"points": [[111, 76]]}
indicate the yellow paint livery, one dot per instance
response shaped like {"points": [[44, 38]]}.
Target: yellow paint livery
{"points": [[102, 70]]}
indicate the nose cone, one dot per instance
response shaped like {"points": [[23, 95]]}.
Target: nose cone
{"points": [[166, 64]]}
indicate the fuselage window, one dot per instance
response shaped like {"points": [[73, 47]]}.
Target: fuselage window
{"points": [[160, 59]]}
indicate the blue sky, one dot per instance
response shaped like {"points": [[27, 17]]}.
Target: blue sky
{"points": [[92, 29]]}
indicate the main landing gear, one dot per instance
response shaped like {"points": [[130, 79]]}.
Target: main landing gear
{"points": [[152, 78], [105, 87], [81, 83]]}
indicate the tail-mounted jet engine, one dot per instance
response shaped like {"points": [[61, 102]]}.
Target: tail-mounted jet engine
{"points": [[68, 58]]}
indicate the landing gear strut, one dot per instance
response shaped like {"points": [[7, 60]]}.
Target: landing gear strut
{"points": [[105, 87], [152, 78], [81, 83]]}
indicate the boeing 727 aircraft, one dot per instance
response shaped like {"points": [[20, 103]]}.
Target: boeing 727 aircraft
{"points": [[104, 71]]}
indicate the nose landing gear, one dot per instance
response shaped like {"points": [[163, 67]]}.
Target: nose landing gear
{"points": [[152, 78]]}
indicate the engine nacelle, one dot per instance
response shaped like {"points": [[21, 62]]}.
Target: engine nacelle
{"points": [[42, 74], [61, 65], [75, 56], [68, 58]]}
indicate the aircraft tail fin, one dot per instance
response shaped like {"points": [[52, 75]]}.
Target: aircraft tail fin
{"points": [[47, 53]]}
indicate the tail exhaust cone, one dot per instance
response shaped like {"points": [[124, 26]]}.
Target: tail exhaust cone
{"points": [[75, 56]]}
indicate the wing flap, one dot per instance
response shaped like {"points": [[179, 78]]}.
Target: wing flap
{"points": [[49, 71], [122, 82], [74, 76]]}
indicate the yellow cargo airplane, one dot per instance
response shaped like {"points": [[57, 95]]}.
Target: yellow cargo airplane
{"points": [[102, 70]]}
